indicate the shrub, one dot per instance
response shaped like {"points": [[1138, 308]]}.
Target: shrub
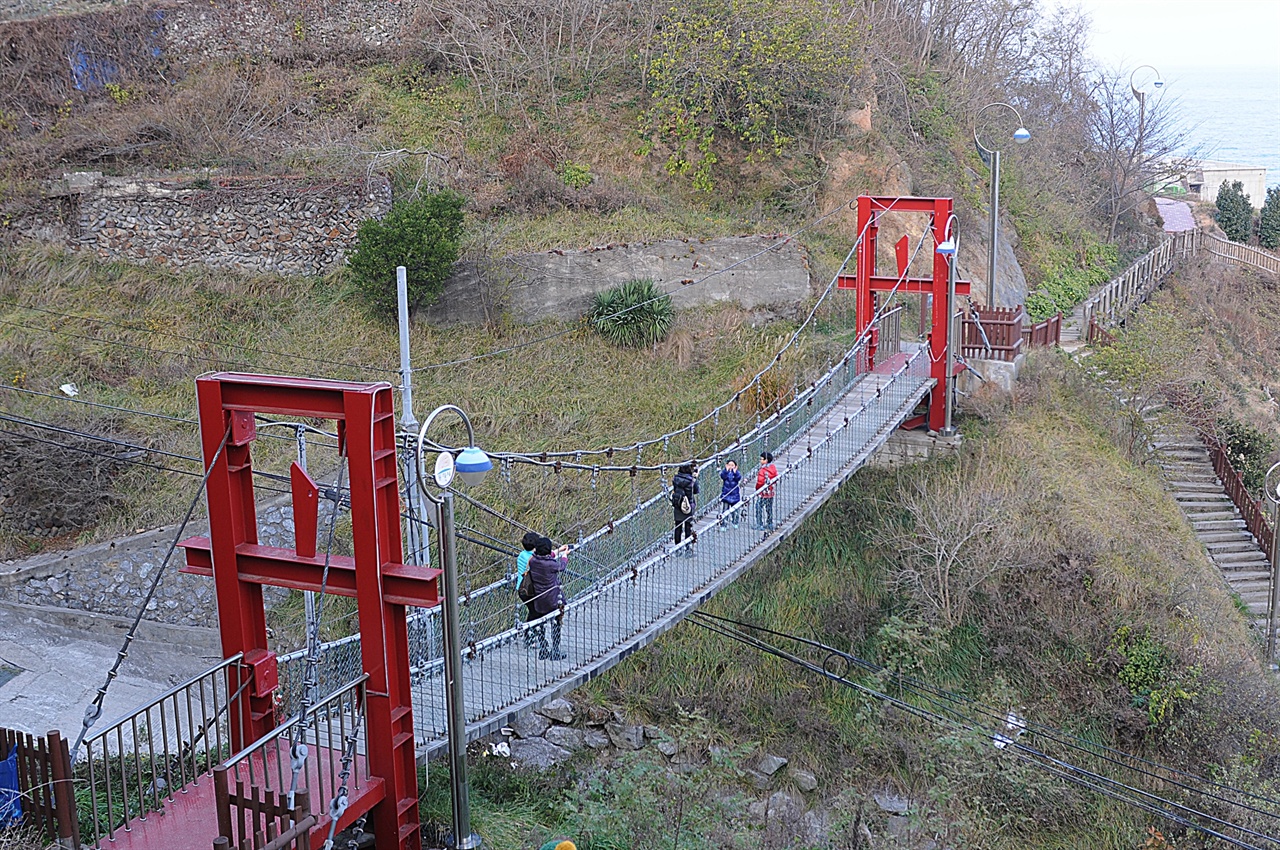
{"points": [[1250, 450], [633, 314], [423, 235], [1269, 223], [1235, 213]]}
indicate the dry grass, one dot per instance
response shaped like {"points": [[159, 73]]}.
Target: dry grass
{"points": [[137, 337]]}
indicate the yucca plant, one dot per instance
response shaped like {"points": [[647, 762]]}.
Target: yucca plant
{"points": [[631, 315]]}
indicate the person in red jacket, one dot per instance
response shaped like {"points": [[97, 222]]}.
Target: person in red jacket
{"points": [[765, 491]]}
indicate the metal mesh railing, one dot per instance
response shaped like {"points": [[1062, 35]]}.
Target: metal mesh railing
{"points": [[492, 616]]}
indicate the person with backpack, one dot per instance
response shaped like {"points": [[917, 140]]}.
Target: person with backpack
{"points": [[765, 491], [545, 568], [524, 589], [684, 490], [730, 491]]}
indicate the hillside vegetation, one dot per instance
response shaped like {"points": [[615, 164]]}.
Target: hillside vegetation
{"points": [[1042, 571]]}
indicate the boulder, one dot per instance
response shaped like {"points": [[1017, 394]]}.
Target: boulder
{"points": [[595, 739], [537, 753], [559, 710], [625, 736], [565, 738], [804, 780], [529, 725], [771, 764]]}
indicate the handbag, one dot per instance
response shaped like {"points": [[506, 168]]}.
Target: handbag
{"points": [[525, 590]]}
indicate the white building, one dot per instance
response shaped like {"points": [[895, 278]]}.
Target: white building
{"points": [[1205, 177]]}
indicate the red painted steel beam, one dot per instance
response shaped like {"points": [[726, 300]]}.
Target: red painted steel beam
{"points": [[404, 584]]}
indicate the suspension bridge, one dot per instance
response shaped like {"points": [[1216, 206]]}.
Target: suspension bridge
{"points": [[376, 702]]}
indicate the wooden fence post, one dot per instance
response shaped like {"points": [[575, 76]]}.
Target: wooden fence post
{"points": [[64, 797]]}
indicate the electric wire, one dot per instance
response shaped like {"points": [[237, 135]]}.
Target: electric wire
{"points": [[581, 325], [35, 423], [1059, 736], [143, 348], [200, 340], [715, 624], [1020, 749]]}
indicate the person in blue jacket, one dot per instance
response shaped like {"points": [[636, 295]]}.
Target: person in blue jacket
{"points": [[527, 544], [730, 491]]}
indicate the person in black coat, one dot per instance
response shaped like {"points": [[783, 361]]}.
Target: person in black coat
{"points": [[545, 567], [684, 491]]}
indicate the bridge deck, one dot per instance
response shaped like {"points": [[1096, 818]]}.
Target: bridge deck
{"points": [[504, 676]]}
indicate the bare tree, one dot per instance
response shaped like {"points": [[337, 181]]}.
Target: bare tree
{"points": [[1139, 145]]}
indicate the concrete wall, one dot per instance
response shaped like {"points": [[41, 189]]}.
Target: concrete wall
{"points": [[257, 225], [113, 578], [1209, 177], [560, 283]]}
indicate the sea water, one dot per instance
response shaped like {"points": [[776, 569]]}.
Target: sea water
{"points": [[1234, 112]]}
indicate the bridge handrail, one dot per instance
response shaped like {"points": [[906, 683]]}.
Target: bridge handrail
{"points": [[651, 560], [425, 633], [147, 772], [265, 763]]}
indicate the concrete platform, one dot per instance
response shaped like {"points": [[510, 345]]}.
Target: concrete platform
{"points": [[62, 658]]}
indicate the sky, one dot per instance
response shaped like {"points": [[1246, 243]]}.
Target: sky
{"points": [[1184, 33]]}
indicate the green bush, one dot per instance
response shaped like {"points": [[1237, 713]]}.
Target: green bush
{"points": [[1250, 451], [1069, 277], [1269, 223], [1235, 213], [634, 314], [423, 235]]}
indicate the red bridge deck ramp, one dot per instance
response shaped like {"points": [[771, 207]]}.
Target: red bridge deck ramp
{"points": [[189, 821]]}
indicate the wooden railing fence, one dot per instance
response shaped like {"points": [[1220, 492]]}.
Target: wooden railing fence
{"points": [[44, 784], [1001, 333], [1119, 296], [1243, 254], [1251, 510], [252, 818]]}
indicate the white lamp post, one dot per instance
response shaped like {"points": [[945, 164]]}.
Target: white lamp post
{"points": [[992, 156], [471, 465], [1141, 95]]}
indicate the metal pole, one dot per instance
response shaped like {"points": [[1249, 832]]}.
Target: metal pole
{"points": [[416, 533], [948, 430], [463, 837], [1274, 603], [995, 229]]}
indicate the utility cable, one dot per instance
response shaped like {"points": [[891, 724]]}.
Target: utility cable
{"points": [[580, 325], [94, 710], [200, 340], [726, 631], [35, 423]]}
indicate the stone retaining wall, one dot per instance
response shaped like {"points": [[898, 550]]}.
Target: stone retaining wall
{"points": [[114, 577], [280, 225]]}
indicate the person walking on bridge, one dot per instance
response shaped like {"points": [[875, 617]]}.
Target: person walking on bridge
{"points": [[527, 544], [545, 567], [684, 492], [765, 491], [730, 491]]}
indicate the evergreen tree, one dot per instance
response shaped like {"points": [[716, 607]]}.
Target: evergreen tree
{"points": [[1235, 213], [1269, 223], [423, 235]]}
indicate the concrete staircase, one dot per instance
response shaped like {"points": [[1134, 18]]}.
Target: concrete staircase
{"points": [[1190, 478]]}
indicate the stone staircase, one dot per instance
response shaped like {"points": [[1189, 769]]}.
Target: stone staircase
{"points": [[1190, 478]]}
